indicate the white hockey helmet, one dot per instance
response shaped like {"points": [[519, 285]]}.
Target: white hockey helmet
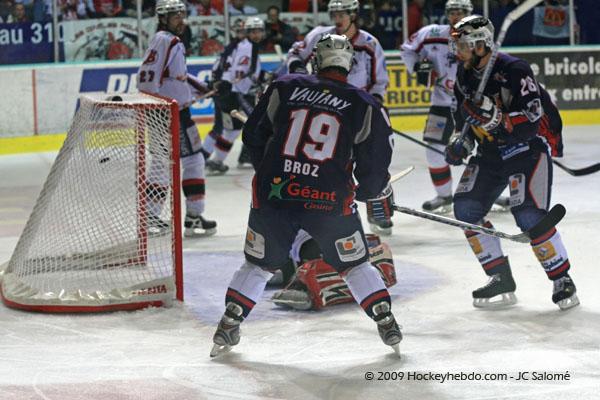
{"points": [[333, 51], [343, 5], [253, 23], [465, 5], [164, 7], [472, 29]]}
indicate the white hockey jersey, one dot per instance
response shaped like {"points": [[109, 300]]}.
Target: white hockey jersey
{"points": [[368, 66], [242, 67], [431, 42], [164, 71]]}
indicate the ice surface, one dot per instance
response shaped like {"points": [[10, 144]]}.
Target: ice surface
{"points": [[163, 353]]}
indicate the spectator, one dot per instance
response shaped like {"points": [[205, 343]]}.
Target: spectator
{"points": [[277, 32], [6, 7], [105, 8], [551, 23], [201, 7], [239, 7], [20, 14], [72, 10], [42, 10], [130, 8], [415, 16]]}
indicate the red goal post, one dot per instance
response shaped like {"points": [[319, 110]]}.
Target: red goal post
{"points": [[91, 242]]}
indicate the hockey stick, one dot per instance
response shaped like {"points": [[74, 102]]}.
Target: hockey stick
{"points": [[239, 115], [578, 172], [548, 222], [401, 174], [571, 171], [510, 18]]}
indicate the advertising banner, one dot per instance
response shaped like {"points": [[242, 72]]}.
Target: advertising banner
{"points": [[26, 43]]}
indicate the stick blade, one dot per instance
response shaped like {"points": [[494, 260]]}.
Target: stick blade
{"points": [[554, 216]]}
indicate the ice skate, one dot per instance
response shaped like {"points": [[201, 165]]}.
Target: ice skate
{"points": [[215, 168], [381, 228], [196, 226], [564, 293], [502, 204], [389, 331], [498, 292], [228, 331], [244, 161], [157, 227], [438, 205]]}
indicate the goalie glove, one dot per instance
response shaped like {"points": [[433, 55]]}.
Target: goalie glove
{"points": [[458, 149], [486, 115], [380, 209], [423, 70]]}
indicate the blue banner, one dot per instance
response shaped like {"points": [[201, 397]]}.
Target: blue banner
{"points": [[123, 80], [25, 43]]}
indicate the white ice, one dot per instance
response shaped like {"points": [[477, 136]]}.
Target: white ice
{"points": [[163, 353]]}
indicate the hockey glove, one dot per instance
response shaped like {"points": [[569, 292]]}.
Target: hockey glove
{"points": [[380, 209], [423, 70], [486, 115], [458, 149], [297, 67]]}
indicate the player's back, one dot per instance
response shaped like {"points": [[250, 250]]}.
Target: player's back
{"points": [[316, 124]]}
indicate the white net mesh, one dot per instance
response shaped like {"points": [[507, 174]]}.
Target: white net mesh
{"points": [[102, 233]]}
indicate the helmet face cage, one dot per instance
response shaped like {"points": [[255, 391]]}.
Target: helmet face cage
{"points": [[470, 30], [465, 5], [333, 51], [164, 7]]}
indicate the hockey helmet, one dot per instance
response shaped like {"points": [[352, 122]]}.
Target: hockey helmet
{"points": [[333, 51], [343, 5], [253, 23], [164, 7], [465, 5], [472, 29]]}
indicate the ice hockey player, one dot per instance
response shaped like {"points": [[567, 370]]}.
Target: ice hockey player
{"points": [[517, 128], [368, 67], [164, 72], [427, 53], [316, 284], [234, 90], [214, 136], [306, 137]]}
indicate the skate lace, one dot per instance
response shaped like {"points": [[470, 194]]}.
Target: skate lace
{"points": [[561, 284]]}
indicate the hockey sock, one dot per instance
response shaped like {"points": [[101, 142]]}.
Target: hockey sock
{"points": [[225, 143], [208, 146], [488, 251], [551, 253], [246, 287], [368, 288], [439, 171], [193, 183]]}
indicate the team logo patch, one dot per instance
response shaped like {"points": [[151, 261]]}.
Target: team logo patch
{"points": [[475, 245], [545, 251], [255, 244], [468, 178], [351, 248], [516, 185]]}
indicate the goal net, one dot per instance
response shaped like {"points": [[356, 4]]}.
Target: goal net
{"points": [[105, 232]]}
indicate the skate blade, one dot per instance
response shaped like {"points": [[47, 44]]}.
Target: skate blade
{"points": [[219, 350], [215, 173], [496, 208], [199, 232], [500, 301], [443, 210], [568, 303], [396, 348], [158, 232], [244, 166], [380, 231]]}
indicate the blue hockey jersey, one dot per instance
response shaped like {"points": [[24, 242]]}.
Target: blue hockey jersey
{"points": [[308, 136], [527, 107]]}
